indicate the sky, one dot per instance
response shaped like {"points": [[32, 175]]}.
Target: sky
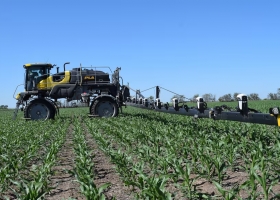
{"points": [[186, 46]]}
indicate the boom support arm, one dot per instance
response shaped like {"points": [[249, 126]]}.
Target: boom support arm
{"points": [[243, 113]]}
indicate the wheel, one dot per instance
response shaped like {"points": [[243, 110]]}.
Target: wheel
{"points": [[54, 105], [105, 107], [39, 109], [125, 93]]}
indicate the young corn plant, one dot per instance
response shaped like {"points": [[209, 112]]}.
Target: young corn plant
{"points": [[251, 184], [228, 194], [220, 167], [206, 164], [183, 171], [30, 190], [152, 187], [262, 177]]}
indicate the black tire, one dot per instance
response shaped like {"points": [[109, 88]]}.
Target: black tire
{"points": [[54, 105], [125, 93], [39, 109], [105, 107]]}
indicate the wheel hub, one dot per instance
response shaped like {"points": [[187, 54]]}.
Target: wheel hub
{"points": [[105, 109], [38, 111]]}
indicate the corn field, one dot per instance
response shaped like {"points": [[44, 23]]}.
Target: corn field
{"points": [[139, 155]]}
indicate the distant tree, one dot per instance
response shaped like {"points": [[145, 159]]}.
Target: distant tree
{"points": [[151, 98], [209, 97], [180, 98], [194, 97], [226, 98], [254, 97], [235, 96], [272, 96]]}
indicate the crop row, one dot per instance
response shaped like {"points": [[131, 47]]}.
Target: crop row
{"points": [[160, 156], [179, 152], [84, 166], [28, 152]]}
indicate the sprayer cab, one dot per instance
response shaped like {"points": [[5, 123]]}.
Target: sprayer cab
{"points": [[38, 77], [34, 73]]}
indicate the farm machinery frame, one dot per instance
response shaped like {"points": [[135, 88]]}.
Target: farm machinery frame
{"points": [[104, 95]]}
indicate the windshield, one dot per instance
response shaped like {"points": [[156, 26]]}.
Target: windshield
{"points": [[34, 75], [35, 72]]}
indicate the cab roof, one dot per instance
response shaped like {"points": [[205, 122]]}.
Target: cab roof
{"points": [[37, 64]]}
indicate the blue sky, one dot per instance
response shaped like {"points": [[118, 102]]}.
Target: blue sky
{"points": [[189, 47]]}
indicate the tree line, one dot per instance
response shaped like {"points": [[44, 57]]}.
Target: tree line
{"points": [[208, 97]]}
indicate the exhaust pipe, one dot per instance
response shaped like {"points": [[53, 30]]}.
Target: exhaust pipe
{"points": [[66, 64]]}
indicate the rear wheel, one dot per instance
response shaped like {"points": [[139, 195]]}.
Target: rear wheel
{"points": [[105, 107], [125, 93], [39, 109]]}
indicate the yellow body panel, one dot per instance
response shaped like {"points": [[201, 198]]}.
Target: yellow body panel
{"points": [[278, 120], [48, 83], [18, 96]]}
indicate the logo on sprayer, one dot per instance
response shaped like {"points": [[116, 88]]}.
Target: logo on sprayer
{"points": [[89, 77]]}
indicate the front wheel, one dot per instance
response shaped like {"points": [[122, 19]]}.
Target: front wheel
{"points": [[105, 107], [39, 109]]}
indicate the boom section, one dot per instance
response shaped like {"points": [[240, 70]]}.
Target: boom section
{"points": [[242, 114]]}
